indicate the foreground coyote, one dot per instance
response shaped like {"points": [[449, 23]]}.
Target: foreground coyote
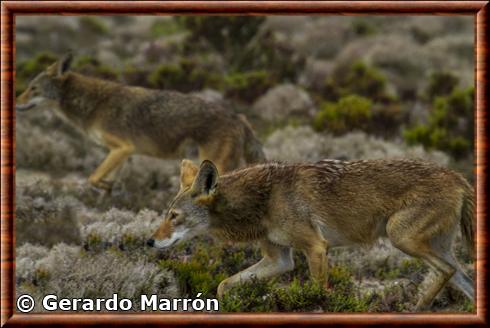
{"points": [[133, 120], [313, 207]]}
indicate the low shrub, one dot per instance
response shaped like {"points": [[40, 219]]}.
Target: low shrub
{"points": [[246, 86], [441, 84], [450, 127], [358, 78], [184, 76], [349, 113]]}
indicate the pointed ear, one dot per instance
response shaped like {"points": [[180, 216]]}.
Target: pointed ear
{"points": [[61, 66], [206, 181], [188, 172], [64, 63]]}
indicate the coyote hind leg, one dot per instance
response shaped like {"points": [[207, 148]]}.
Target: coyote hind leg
{"points": [[444, 271], [276, 260], [426, 233], [119, 152], [461, 281]]}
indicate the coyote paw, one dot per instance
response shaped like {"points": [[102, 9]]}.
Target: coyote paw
{"points": [[102, 185]]}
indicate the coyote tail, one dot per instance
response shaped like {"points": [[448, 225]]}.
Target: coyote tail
{"points": [[468, 219], [253, 150]]}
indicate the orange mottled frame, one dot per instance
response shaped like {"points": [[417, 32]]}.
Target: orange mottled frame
{"points": [[10, 9]]}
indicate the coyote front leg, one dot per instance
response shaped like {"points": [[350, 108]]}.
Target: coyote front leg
{"points": [[276, 260], [119, 152]]}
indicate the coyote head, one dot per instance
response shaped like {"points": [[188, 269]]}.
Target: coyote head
{"points": [[188, 215], [45, 87]]}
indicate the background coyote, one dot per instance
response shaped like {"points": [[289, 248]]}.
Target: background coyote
{"points": [[374, 88], [313, 207], [132, 120]]}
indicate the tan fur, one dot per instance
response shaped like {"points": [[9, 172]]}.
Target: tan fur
{"points": [[313, 207], [132, 120]]}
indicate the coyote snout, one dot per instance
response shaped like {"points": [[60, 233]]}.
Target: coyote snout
{"points": [[317, 206], [131, 120], [44, 88], [185, 219]]}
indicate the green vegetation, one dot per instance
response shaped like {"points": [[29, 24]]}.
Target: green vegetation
{"points": [[265, 296], [349, 113], [208, 265], [450, 127], [90, 66], [357, 98], [359, 79], [188, 76], [164, 27], [252, 47], [184, 76], [216, 30], [246, 86], [203, 270], [441, 84]]}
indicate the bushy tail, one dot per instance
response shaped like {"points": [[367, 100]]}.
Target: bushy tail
{"points": [[468, 219], [253, 151]]}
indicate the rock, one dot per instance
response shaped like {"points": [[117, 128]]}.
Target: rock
{"points": [[315, 74], [282, 102]]}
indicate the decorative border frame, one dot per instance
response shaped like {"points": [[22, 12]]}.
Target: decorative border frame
{"points": [[9, 9]]}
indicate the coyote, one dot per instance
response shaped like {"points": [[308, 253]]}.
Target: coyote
{"points": [[133, 120], [313, 207]]}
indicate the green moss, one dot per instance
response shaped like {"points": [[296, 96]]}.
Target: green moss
{"points": [[349, 113]]}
